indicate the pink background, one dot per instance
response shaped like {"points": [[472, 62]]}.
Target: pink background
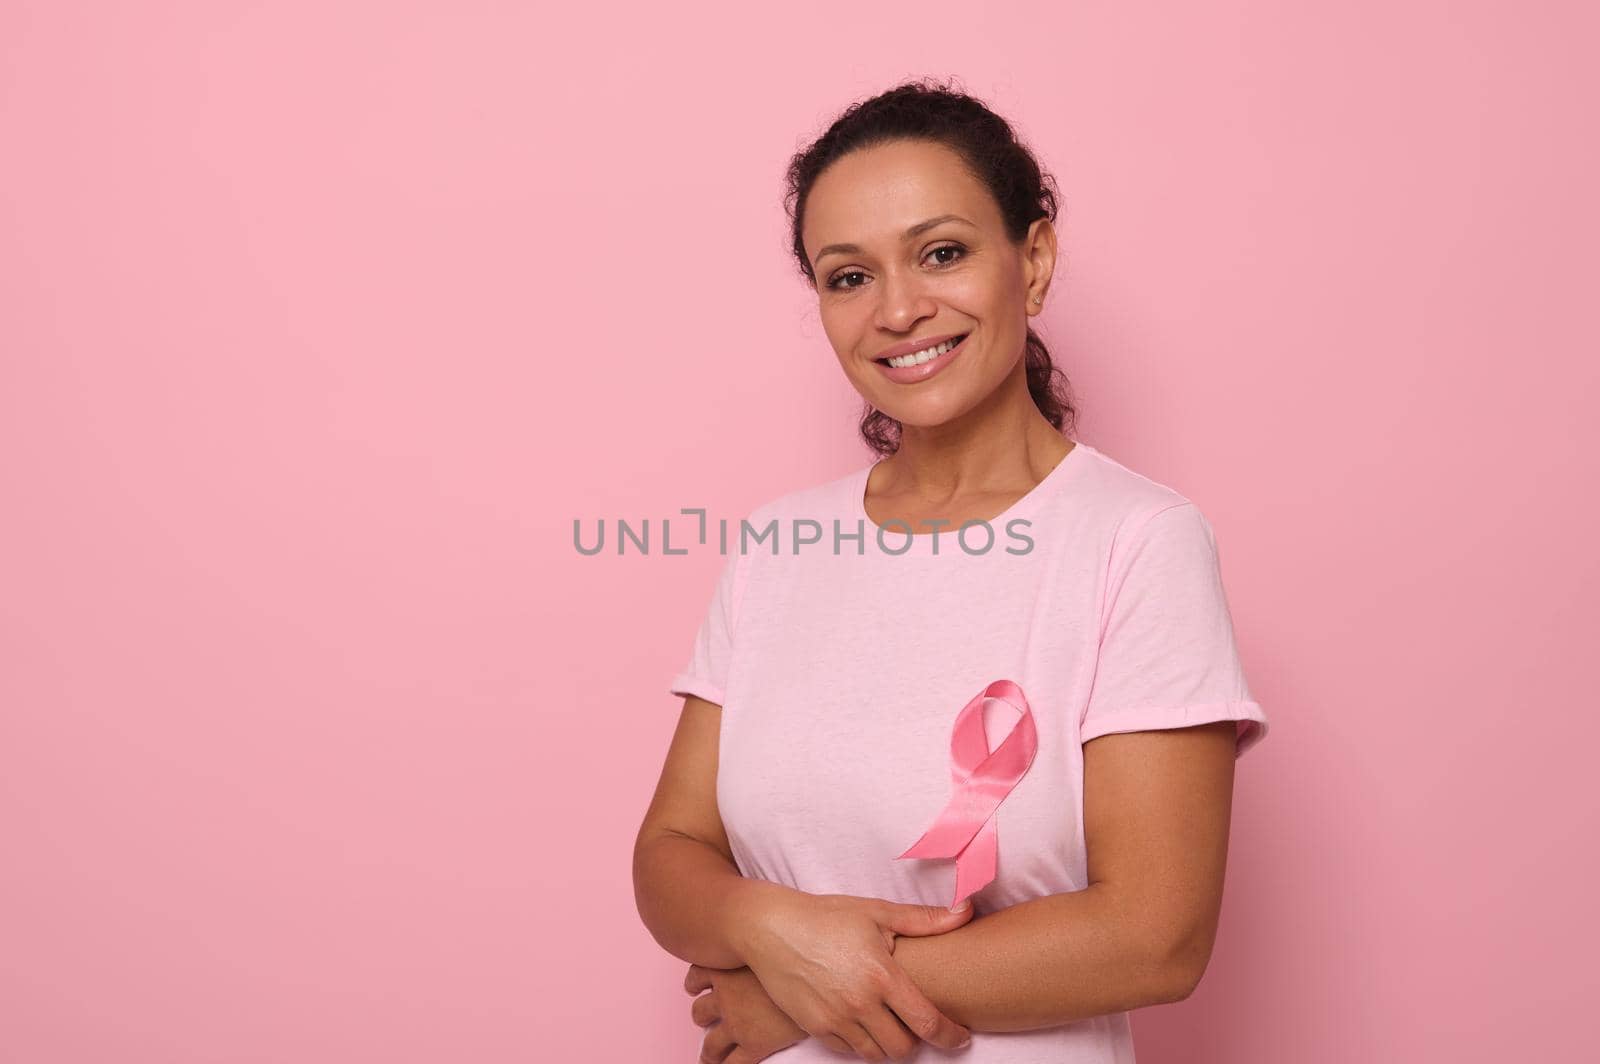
{"points": [[322, 323]]}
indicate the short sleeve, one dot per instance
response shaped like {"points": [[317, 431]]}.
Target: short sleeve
{"points": [[1167, 657], [705, 675]]}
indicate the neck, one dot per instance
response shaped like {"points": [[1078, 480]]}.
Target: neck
{"points": [[1003, 442]]}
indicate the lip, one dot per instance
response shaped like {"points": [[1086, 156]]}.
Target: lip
{"points": [[911, 347], [914, 374]]}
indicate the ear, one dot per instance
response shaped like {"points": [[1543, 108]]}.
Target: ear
{"points": [[1039, 263]]}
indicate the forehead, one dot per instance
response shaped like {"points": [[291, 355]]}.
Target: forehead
{"points": [[871, 196]]}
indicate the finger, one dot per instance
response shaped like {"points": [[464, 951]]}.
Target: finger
{"points": [[890, 1034], [705, 1009], [716, 1045], [697, 979], [862, 1044], [835, 1043], [906, 919], [920, 1015]]}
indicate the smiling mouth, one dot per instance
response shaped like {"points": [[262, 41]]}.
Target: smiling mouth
{"points": [[927, 355]]}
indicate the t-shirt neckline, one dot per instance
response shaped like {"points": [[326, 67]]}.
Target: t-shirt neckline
{"points": [[1024, 507]]}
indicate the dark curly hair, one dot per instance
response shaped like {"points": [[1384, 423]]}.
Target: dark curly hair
{"points": [[924, 109]]}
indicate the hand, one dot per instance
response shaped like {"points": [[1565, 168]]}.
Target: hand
{"points": [[826, 960], [745, 1025]]}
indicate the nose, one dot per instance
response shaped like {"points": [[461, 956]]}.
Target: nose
{"points": [[902, 302]]}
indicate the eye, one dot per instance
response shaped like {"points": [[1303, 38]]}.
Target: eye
{"points": [[834, 282]]}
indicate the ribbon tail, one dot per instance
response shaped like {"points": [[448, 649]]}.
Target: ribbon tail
{"points": [[954, 828], [976, 865]]}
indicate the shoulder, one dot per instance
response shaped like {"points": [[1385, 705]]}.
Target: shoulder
{"points": [[798, 515], [821, 501], [1118, 498], [1143, 523], [1122, 491], [1123, 518]]}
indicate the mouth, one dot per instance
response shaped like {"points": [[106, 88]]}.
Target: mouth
{"points": [[924, 356]]}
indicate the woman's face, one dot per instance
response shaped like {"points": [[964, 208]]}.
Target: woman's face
{"points": [[885, 277]]}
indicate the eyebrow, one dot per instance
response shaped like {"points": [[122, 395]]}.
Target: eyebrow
{"points": [[915, 230]]}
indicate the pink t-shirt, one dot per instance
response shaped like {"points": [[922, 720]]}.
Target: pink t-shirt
{"points": [[840, 674]]}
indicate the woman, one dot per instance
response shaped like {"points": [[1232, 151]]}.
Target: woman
{"points": [[823, 801]]}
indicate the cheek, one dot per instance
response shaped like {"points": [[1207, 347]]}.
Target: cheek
{"points": [[978, 294], [845, 325]]}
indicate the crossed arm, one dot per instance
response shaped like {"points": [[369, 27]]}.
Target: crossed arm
{"points": [[1156, 811]]}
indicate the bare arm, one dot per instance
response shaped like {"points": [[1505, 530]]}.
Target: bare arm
{"points": [[687, 887], [1156, 811], [823, 961]]}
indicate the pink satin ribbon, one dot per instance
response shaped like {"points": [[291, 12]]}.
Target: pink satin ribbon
{"points": [[965, 827]]}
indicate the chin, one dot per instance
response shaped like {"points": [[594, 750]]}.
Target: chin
{"points": [[925, 415]]}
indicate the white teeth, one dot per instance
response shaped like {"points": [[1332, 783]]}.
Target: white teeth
{"points": [[925, 355]]}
